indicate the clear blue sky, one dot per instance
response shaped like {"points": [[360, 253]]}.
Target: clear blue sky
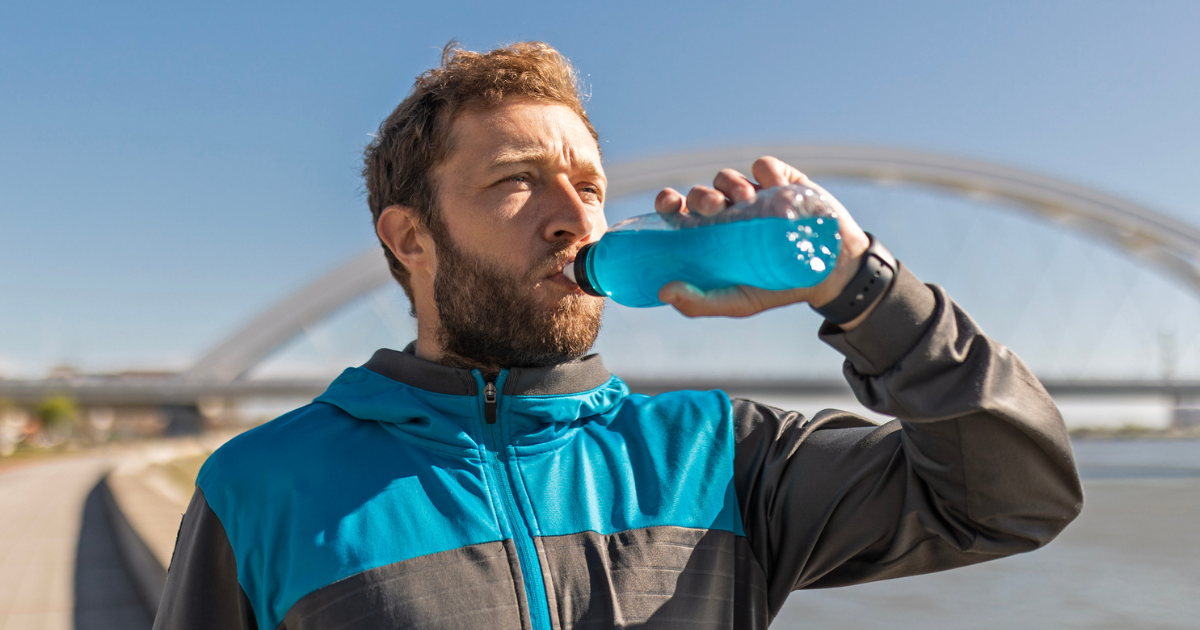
{"points": [[167, 172]]}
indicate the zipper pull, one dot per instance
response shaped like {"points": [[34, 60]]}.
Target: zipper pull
{"points": [[489, 403]]}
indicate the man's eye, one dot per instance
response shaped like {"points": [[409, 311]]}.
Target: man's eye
{"points": [[519, 178]]}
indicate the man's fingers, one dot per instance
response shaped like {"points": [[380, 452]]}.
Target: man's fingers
{"points": [[692, 302], [705, 201], [770, 171], [777, 172], [743, 301], [669, 201], [735, 186]]}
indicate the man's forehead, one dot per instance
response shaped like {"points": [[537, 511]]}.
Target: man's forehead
{"points": [[523, 132]]}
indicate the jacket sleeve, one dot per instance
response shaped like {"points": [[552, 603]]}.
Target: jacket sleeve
{"points": [[202, 590], [976, 466]]}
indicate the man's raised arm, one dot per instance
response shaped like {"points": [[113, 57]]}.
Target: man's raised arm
{"points": [[977, 466]]}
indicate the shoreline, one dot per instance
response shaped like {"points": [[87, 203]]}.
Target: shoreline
{"points": [[1134, 433]]}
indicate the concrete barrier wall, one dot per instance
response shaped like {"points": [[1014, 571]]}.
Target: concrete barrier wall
{"points": [[148, 574]]}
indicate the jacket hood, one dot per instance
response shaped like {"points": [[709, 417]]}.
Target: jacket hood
{"points": [[400, 388]]}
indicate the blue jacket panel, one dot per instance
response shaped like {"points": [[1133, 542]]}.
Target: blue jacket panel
{"points": [[643, 464], [318, 495]]}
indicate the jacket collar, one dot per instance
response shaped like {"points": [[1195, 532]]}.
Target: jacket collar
{"points": [[571, 377], [400, 388]]}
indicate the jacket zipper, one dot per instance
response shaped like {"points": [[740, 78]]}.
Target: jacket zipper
{"points": [[489, 403], [531, 569]]}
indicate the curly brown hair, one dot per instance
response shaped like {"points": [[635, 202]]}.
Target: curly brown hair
{"points": [[416, 138]]}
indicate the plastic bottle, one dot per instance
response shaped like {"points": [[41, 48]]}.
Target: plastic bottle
{"points": [[787, 237]]}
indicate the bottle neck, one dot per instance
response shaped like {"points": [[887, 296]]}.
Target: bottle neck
{"points": [[582, 272]]}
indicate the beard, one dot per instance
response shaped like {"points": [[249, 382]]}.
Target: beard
{"points": [[492, 318]]}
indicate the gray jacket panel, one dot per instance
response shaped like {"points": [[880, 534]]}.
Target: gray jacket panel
{"points": [[471, 587], [654, 577], [202, 589]]}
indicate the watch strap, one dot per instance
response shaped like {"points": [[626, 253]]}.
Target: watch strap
{"points": [[876, 270]]}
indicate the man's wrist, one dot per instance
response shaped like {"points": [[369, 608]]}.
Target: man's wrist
{"points": [[894, 326], [874, 273], [854, 247], [854, 323]]}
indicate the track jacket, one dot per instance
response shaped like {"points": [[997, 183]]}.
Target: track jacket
{"points": [[414, 495]]}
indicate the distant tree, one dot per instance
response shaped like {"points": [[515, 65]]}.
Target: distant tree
{"points": [[58, 416]]}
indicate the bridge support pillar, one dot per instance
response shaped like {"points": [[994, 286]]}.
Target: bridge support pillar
{"points": [[1186, 414], [182, 420]]}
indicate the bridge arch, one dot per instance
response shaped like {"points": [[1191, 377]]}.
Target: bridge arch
{"points": [[1168, 245]]}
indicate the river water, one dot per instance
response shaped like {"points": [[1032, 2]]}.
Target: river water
{"points": [[1131, 560]]}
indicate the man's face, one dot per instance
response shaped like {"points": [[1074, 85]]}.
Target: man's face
{"points": [[521, 192]]}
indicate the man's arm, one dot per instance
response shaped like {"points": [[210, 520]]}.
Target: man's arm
{"points": [[977, 466], [202, 590]]}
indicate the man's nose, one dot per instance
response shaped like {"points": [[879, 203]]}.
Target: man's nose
{"points": [[570, 217]]}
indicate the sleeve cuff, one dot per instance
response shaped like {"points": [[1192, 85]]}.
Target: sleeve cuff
{"points": [[891, 330]]}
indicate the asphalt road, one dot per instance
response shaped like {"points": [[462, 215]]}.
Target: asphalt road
{"points": [[59, 568]]}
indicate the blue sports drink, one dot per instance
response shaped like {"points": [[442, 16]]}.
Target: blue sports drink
{"points": [[786, 238]]}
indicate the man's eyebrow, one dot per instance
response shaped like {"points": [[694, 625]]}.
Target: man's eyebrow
{"points": [[593, 171], [509, 157]]}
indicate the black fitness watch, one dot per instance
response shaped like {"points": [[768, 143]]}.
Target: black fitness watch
{"points": [[876, 270]]}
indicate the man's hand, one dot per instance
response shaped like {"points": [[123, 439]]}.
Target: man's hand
{"points": [[729, 187]]}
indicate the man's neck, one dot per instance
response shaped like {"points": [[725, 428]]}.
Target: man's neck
{"points": [[429, 349]]}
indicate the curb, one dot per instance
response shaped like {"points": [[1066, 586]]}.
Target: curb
{"points": [[146, 511], [149, 576]]}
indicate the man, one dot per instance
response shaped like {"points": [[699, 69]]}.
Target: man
{"points": [[492, 476]]}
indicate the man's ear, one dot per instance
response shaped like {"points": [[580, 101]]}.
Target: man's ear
{"points": [[410, 244]]}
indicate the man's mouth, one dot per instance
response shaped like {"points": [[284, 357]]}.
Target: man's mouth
{"points": [[559, 263], [563, 265], [556, 276]]}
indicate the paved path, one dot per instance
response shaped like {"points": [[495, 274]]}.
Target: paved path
{"points": [[59, 567]]}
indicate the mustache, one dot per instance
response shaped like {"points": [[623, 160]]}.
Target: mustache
{"points": [[556, 257]]}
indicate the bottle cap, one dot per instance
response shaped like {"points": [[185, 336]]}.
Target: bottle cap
{"points": [[578, 273]]}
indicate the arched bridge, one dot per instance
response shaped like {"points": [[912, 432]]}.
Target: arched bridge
{"points": [[1168, 245]]}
